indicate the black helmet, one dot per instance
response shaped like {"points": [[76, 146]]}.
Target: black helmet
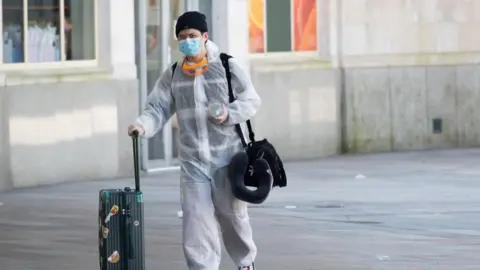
{"points": [[239, 170]]}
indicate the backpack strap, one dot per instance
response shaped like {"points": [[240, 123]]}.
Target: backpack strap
{"points": [[225, 58], [174, 66]]}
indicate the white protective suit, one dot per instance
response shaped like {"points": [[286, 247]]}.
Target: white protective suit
{"points": [[205, 150]]}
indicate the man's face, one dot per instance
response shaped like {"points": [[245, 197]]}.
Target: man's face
{"points": [[193, 33]]}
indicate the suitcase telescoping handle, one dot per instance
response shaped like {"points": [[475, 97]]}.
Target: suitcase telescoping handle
{"points": [[136, 163]]}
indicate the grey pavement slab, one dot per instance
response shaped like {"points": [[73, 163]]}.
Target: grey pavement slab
{"points": [[410, 211]]}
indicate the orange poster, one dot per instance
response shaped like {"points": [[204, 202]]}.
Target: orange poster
{"points": [[256, 25], [304, 25]]}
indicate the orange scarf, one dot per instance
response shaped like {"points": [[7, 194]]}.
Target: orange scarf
{"points": [[195, 69]]}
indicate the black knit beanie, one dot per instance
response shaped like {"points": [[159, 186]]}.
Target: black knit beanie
{"points": [[191, 20]]}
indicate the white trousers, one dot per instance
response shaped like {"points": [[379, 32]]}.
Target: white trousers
{"points": [[209, 211]]}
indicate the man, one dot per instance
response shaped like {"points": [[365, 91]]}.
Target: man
{"points": [[206, 146]]}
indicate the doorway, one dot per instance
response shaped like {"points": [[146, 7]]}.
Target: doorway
{"points": [[157, 50]]}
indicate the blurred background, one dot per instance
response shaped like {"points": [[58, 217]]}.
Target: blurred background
{"points": [[338, 77]]}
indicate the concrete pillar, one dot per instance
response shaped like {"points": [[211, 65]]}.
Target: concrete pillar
{"points": [[230, 28], [122, 38]]}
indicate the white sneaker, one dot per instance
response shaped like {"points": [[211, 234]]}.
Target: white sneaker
{"points": [[250, 267]]}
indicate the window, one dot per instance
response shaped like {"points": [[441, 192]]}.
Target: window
{"points": [[32, 30], [282, 25]]}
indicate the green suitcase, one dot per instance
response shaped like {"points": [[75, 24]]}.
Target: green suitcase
{"points": [[120, 222]]}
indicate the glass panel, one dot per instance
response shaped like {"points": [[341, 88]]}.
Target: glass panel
{"points": [[154, 68], [279, 25], [13, 51], [80, 29], [177, 7], [256, 25], [205, 7], [305, 25], [43, 31], [155, 144]]}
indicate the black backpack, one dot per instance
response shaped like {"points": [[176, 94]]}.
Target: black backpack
{"points": [[255, 149]]}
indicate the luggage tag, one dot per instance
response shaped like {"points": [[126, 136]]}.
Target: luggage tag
{"points": [[114, 258], [113, 211], [105, 231]]}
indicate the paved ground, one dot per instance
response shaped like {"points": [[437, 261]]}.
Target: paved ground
{"points": [[412, 211]]}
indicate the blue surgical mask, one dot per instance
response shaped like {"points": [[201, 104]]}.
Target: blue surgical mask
{"points": [[190, 46]]}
